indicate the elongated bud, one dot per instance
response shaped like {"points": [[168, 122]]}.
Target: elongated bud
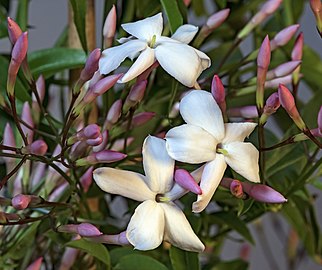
{"points": [[218, 92], [297, 54], [103, 144], [69, 257], [20, 201], [271, 106], [91, 131], [83, 229], [14, 30], [282, 70], [236, 189], [95, 142], [105, 156], [142, 118], [281, 80], [87, 179], [36, 265], [284, 36], [287, 101], [263, 193], [38, 147], [245, 112], [263, 61], [109, 27], [116, 239], [8, 137], [316, 7], [41, 88], [320, 119], [26, 116], [266, 10], [185, 180], [113, 114], [214, 21], [18, 54], [136, 95]]}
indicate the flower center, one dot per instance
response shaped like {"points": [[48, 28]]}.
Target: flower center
{"points": [[152, 43], [221, 150], [161, 198]]}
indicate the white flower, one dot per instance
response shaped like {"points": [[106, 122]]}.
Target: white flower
{"points": [[180, 60], [157, 218], [205, 138]]}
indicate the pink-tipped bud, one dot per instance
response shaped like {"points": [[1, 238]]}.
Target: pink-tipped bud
{"points": [[216, 19], [185, 180], [116, 239], [38, 147], [41, 88], [287, 101], [320, 119], [263, 193], [91, 65], [86, 179], [145, 74], [109, 27], [91, 131], [247, 112], [316, 7], [105, 156], [88, 230], [218, 92], [272, 104], [297, 51], [142, 118], [20, 201], [236, 189], [14, 30], [113, 114], [95, 142], [284, 36], [36, 265], [103, 144], [264, 54], [26, 116], [282, 70], [281, 80], [136, 94], [271, 6]]}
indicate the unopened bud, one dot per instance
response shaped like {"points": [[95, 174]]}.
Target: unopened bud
{"points": [[91, 131], [281, 80], [113, 114], [26, 117], [36, 265], [287, 101], [135, 95], [297, 51], [282, 70], [87, 179], [284, 36], [38, 147], [185, 180], [41, 88], [116, 239], [145, 74], [95, 142], [245, 112], [236, 189], [263, 193], [105, 156], [83, 229], [218, 92], [271, 106], [316, 7], [21, 201], [103, 144], [14, 30], [109, 27], [91, 66], [142, 118]]}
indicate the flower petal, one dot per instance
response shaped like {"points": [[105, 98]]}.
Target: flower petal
{"points": [[178, 231], [238, 131], [180, 61], [145, 29], [243, 159], [199, 108], [191, 144], [128, 184], [112, 57], [210, 180], [185, 33], [158, 165], [146, 227], [144, 61], [205, 60], [178, 191]]}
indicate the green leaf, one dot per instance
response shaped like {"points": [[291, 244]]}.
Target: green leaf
{"points": [[79, 11], [22, 14], [95, 249], [173, 13], [139, 262], [118, 253], [182, 260], [51, 61]]}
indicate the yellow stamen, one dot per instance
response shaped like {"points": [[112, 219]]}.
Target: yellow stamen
{"points": [[164, 199], [222, 151], [154, 38]]}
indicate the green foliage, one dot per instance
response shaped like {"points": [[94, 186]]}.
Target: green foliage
{"points": [[79, 14]]}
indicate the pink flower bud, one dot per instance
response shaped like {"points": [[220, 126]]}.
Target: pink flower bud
{"points": [[69, 258], [20, 201], [87, 230], [245, 112], [320, 119], [216, 19], [117, 239], [119, 144], [14, 30], [41, 88], [236, 189], [113, 114], [26, 116], [287, 101], [38, 147], [91, 131], [95, 142], [271, 6], [297, 51], [145, 74], [284, 36], [103, 144], [91, 65], [87, 179], [105, 156], [281, 80], [36, 265], [316, 7], [264, 54], [263, 193], [282, 70], [186, 2], [218, 92], [185, 180], [142, 118], [8, 137], [272, 104], [110, 27], [136, 94]]}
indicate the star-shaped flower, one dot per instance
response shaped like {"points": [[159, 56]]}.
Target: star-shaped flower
{"points": [[157, 218], [205, 138], [180, 60]]}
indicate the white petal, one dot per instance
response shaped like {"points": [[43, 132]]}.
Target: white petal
{"points": [[180, 61], [199, 108], [125, 39], [112, 57], [178, 191], [158, 165], [146, 228], [144, 61], [145, 29], [185, 33], [205, 60], [238, 131], [128, 184], [243, 159], [178, 230], [210, 180], [191, 144]]}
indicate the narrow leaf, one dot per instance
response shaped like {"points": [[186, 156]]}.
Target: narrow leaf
{"points": [[173, 13], [79, 11]]}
